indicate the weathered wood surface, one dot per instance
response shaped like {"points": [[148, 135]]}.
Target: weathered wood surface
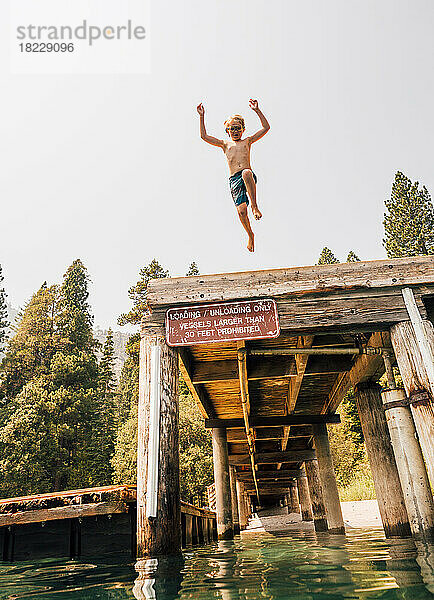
{"points": [[411, 467], [274, 421], [388, 489], [73, 511], [417, 383], [293, 495], [234, 503], [328, 480], [189, 509], [273, 457], [225, 527], [304, 496], [270, 367], [163, 534], [316, 496], [196, 390], [275, 474], [242, 511], [392, 273], [365, 368]]}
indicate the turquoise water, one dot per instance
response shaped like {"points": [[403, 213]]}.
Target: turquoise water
{"points": [[295, 566]]}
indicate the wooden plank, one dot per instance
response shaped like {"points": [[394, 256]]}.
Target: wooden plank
{"points": [[72, 511], [276, 474], [395, 273], [273, 457], [189, 509], [123, 492], [197, 391], [271, 367], [274, 421], [295, 382]]}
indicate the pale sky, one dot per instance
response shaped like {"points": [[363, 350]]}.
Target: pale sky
{"points": [[111, 169]]}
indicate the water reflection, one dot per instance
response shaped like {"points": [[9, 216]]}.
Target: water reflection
{"points": [[158, 578]]}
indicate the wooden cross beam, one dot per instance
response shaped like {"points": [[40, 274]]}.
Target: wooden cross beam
{"points": [[260, 475], [273, 421], [291, 456]]}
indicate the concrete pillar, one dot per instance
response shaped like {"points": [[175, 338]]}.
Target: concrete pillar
{"points": [[158, 493], [293, 493], [328, 479], [414, 355], [241, 505], [303, 494], [411, 467], [385, 474], [225, 528], [316, 495], [234, 501]]}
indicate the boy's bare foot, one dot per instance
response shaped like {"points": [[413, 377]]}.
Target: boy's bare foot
{"points": [[257, 213], [251, 243]]}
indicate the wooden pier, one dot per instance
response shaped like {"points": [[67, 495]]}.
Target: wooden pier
{"points": [[268, 357], [87, 522]]}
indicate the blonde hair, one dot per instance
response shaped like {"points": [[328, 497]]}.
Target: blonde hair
{"points": [[238, 119]]}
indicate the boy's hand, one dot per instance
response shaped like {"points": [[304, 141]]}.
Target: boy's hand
{"points": [[201, 109], [253, 104]]}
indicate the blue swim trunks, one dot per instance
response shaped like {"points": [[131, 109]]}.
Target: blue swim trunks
{"points": [[238, 188]]}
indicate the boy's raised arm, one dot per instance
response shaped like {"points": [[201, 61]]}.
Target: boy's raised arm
{"points": [[203, 134], [265, 124]]}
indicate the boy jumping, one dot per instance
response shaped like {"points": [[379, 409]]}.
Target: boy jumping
{"points": [[242, 180]]}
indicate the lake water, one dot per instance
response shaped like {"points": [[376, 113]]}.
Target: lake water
{"points": [[290, 566]]}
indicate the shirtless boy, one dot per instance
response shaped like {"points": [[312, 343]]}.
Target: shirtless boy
{"points": [[242, 180]]}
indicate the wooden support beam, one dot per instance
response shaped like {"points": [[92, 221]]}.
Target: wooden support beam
{"points": [[225, 527], [245, 402], [271, 367], [316, 496], [409, 461], [157, 436], [273, 457], [196, 390], [72, 511], [303, 494], [382, 460], [275, 474], [328, 480], [274, 421], [415, 361], [294, 384], [366, 367]]}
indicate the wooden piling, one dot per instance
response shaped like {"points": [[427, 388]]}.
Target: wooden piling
{"points": [[158, 376], [316, 495], [328, 480], [385, 474], [303, 494], [417, 381], [234, 502], [293, 494], [241, 505], [225, 528], [409, 461]]}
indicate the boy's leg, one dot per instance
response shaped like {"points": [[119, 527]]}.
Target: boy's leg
{"points": [[244, 218], [250, 184]]}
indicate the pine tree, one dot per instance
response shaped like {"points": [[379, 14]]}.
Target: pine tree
{"points": [[352, 257], [327, 257], [106, 376], [409, 220], [3, 314], [31, 349], [193, 269], [75, 320], [137, 293]]}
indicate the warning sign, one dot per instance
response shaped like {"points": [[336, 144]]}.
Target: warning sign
{"points": [[205, 324]]}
